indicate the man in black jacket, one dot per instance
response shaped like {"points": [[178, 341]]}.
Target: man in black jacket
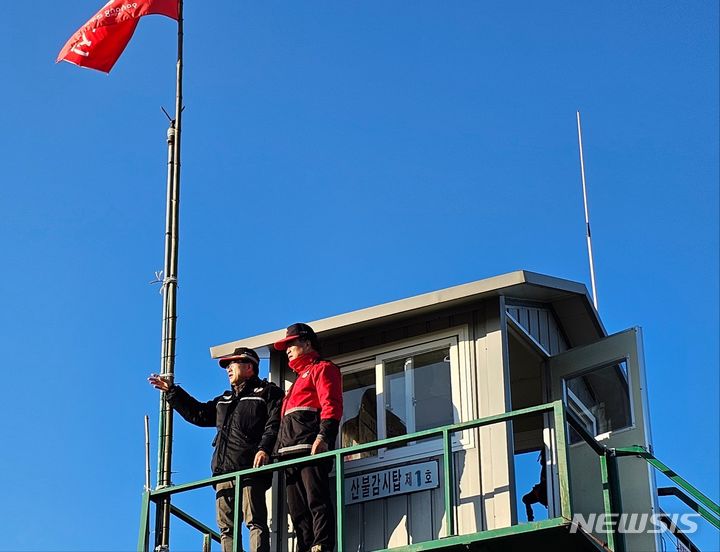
{"points": [[247, 419]]}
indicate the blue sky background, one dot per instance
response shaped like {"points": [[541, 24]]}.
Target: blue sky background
{"points": [[336, 155]]}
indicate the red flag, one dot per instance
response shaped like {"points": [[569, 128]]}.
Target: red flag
{"points": [[99, 43]]}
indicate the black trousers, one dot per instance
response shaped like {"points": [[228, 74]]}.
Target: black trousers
{"points": [[310, 505]]}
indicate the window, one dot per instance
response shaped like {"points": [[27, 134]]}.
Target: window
{"points": [[360, 402], [418, 392], [410, 387], [600, 398]]}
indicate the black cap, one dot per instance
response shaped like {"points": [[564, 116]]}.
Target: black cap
{"points": [[241, 353], [296, 331]]}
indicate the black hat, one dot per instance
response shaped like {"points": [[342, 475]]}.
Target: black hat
{"points": [[241, 353], [296, 331]]}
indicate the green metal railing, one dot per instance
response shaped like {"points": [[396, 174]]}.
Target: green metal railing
{"points": [[695, 499], [691, 496], [556, 408], [555, 411], [612, 496]]}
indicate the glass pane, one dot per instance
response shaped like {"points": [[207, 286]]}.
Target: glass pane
{"points": [[583, 414], [603, 396], [418, 392], [360, 411], [396, 401], [433, 392]]}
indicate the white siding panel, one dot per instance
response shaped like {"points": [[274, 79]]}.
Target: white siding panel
{"points": [[554, 338], [374, 525], [524, 318], [438, 509], [352, 518], [406, 519], [397, 521], [494, 440], [421, 526], [540, 323], [534, 325], [468, 493], [544, 331]]}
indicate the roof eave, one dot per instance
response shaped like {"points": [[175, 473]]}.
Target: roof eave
{"points": [[424, 303]]}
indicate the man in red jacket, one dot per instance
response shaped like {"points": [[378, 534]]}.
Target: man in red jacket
{"points": [[310, 418]]}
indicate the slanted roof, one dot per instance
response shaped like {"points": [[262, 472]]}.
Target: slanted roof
{"points": [[570, 300]]}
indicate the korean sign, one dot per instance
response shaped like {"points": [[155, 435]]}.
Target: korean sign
{"points": [[409, 478]]}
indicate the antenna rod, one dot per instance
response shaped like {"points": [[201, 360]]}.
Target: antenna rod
{"points": [[169, 292], [587, 215], [147, 453]]}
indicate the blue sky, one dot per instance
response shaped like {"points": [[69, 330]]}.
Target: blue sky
{"points": [[336, 155]]}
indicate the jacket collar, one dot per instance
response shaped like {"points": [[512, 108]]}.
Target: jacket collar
{"points": [[247, 384], [300, 363]]}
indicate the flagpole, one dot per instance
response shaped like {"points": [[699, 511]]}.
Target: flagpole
{"points": [[169, 292], [587, 214]]}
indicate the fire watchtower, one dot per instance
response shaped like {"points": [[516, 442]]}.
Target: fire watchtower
{"points": [[443, 391]]}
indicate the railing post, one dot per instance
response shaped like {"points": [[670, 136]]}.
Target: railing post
{"points": [[144, 536], [607, 500], [562, 461], [206, 543], [613, 477], [340, 500], [237, 507], [449, 483]]}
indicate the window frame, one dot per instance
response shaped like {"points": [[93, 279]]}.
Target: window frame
{"points": [[461, 379], [582, 412]]}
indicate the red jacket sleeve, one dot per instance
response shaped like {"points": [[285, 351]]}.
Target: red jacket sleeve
{"points": [[328, 384]]}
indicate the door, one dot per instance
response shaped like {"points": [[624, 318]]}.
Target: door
{"points": [[604, 385]]}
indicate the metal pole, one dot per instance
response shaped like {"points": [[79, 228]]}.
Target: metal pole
{"points": [[162, 511], [169, 291], [340, 498], [147, 454], [587, 215], [144, 536]]}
